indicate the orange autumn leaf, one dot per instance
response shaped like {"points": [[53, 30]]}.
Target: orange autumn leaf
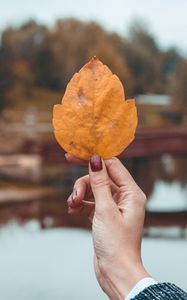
{"points": [[94, 117]]}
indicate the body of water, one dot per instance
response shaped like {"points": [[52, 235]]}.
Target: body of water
{"points": [[168, 197], [56, 264]]}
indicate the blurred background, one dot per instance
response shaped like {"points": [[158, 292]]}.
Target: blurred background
{"points": [[45, 253]]}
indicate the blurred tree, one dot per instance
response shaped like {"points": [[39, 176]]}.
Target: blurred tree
{"points": [[6, 78], [151, 68], [178, 88], [140, 36], [34, 56], [23, 42], [18, 49], [143, 57], [69, 45], [169, 62]]}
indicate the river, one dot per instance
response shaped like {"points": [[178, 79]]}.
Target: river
{"points": [[56, 264]]}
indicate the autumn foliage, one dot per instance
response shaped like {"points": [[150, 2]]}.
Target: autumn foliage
{"points": [[36, 57], [94, 117]]}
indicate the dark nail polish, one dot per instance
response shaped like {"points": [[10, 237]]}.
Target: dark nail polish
{"points": [[96, 163]]}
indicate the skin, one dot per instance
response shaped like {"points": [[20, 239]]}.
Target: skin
{"points": [[116, 207]]}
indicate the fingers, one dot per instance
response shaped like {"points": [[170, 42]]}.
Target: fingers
{"points": [[89, 208], [118, 173], [74, 160], [116, 170], [77, 200], [80, 191], [103, 184], [75, 210], [86, 206], [100, 184]]}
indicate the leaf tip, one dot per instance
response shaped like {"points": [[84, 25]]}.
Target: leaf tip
{"points": [[93, 62]]}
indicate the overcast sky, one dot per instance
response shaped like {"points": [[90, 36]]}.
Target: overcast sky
{"points": [[167, 19]]}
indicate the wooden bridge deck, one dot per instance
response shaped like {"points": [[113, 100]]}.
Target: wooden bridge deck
{"points": [[156, 141], [48, 207], [147, 143]]}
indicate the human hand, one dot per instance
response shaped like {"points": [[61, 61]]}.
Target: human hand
{"points": [[117, 217]]}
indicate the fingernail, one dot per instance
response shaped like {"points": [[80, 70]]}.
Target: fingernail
{"points": [[96, 163], [74, 194], [66, 155]]}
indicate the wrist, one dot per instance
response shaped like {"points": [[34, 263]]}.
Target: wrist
{"points": [[121, 279]]}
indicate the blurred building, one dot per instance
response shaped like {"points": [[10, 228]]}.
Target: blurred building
{"points": [[158, 111]]}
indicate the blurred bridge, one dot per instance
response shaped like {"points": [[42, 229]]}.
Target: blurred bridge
{"points": [[148, 142], [35, 149], [157, 141]]}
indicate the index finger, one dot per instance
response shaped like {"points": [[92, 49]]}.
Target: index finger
{"points": [[76, 161], [118, 173], [116, 170]]}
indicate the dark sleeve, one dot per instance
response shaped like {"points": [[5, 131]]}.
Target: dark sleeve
{"points": [[160, 291]]}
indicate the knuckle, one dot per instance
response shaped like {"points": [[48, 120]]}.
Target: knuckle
{"points": [[111, 161], [77, 181], [104, 211], [100, 182], [141, 197], [80, 180]]}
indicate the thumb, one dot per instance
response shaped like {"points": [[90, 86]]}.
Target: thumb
{"points": [[100, 183]]}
